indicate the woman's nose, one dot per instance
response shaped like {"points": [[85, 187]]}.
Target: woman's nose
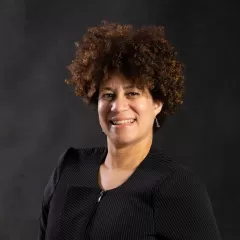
{"points": [[119, 104]]}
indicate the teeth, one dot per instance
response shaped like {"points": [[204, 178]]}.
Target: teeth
{"points": [[123, 121]]}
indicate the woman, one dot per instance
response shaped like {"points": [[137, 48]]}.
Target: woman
{"points": [[130, 189]]}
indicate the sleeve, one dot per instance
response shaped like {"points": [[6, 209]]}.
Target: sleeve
{"points": [[183, 210], [48, 193]]}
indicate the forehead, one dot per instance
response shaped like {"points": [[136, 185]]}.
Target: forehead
{"points": [[116, 80]]}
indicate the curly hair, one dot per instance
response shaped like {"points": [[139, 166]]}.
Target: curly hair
{"points": [[142, 55]]}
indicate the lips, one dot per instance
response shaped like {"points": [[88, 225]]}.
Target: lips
{"points": [[122, 121]]}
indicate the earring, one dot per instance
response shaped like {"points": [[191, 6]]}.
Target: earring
{"points": [[157, 123]]}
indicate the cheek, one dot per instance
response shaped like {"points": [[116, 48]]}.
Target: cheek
{"points": [[144, 109], [102, 111]]}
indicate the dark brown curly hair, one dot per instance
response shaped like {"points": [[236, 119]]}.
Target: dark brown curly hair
{"points": [[142, 55]]}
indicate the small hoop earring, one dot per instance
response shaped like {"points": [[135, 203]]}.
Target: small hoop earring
{"points": [[157, 123]]}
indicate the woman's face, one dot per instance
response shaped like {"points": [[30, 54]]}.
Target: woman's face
{"points": [[126, 114]]}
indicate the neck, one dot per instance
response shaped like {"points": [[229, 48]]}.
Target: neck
{"points": [[127, 157]]}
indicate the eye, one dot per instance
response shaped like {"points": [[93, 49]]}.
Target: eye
{"points": [[107, 96], [132, 94]]}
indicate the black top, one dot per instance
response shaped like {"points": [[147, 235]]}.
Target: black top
{"points": [[162, 199]]}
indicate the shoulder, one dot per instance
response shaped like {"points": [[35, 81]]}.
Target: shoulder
{"points": [[91, 151], [181, 184], [72, 158], [181, 198], [77, 155], [167, 167], [176, 177]]}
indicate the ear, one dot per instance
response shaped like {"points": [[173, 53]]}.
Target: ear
{"points": [[157, 107]]}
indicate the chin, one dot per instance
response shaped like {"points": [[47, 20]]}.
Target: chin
{"points": [[123, 140]]}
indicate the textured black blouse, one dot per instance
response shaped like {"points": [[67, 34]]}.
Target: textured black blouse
{"points": [[162, 199]]}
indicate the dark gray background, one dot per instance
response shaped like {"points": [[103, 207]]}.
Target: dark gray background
{"points": [[41, 117]]}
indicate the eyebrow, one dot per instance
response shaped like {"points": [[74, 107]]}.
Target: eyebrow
{"points": [[111, 89]]}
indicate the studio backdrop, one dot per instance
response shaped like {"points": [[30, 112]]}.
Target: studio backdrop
{"points": [[41, 116]]}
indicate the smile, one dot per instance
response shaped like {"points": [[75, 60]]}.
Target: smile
{"points": [[123, 122]]}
